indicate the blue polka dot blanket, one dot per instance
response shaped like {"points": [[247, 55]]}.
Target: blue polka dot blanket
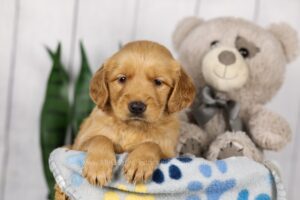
{"points": [[182, 178]]}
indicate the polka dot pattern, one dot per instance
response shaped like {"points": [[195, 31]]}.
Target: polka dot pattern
{"points": [[203, 181], [263, 197], [139, 188], [111, 196], [185, 159], [76, 179], [222, 166], [77, 159], [158, 176], [205, 170], [217, 188], [121, 187], [165, 161], [194, 186], [243, 195], [174, 172], [139, 197]]}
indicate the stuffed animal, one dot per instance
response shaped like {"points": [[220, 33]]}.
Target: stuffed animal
{"points": [[237, 67]]}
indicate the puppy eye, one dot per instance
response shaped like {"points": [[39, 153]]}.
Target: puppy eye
{"points": [[244, 52], [214, 43], [157, 82], [122, 79]]}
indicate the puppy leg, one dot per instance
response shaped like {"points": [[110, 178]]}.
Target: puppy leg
{"points": [[141, 162], [100, 160], [59, 195]]}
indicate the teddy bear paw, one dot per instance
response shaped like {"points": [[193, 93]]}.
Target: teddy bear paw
{"points": [[232, 148], [234, 144], [190, 147]]}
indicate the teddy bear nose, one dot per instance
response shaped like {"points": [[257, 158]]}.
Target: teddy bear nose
{"points": [[227, 57], [137, 107]]}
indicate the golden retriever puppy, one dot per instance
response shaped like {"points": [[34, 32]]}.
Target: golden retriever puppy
{"points": [[138, 92]]}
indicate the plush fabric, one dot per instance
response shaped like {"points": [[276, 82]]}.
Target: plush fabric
{"points": [[184, 178], [242, 63]]}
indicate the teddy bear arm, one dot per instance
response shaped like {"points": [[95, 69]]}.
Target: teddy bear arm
{"points": [[267, 129], [193, 139]]}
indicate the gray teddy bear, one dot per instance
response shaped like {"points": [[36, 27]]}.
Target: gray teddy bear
{"points": [[237, 67]]}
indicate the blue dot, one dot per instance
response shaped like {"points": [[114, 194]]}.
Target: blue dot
{"points": [[243, 195], [164, 161], [205, 170], [194, 186], [263, 197], [174, 172], [222, 166], [158, 176], [192, 197], [217, 188], [77, 159], [76, 179], [184, 159]]}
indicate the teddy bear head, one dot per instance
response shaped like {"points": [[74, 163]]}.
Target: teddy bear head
{"points": [[236, 57]]}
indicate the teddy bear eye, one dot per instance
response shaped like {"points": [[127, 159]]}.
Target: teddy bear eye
{"points": [[122, 79], [244, 52], [214, 43]]}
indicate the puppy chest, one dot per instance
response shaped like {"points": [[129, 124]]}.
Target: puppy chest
{"points": [[129, 139]]}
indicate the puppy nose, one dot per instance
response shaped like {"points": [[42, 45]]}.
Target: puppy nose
{"points": [[137, 107], [227, 57]]}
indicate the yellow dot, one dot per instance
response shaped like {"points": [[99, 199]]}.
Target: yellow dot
{"points": [[111, 196], [122, 187], [140, 188], [139, 197]]}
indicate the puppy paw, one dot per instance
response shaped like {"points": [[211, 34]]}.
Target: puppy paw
{"points": [[138, 168], [98, 169]]}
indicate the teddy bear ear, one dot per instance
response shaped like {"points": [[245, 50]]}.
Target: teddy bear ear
{"points": [[288, 38], [183, 28]]}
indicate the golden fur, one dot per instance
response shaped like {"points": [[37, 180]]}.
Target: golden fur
{"points": [[111, 128]]}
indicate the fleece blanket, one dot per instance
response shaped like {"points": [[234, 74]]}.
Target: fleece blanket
{"points": [[182, 178]]}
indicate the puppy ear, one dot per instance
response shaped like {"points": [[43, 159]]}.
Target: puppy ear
{"points": [[183, 28], [288, 38], [99, 89], [183, 93]]}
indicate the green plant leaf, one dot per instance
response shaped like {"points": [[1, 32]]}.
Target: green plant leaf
{"points": [[83, 104], [54, 115]]}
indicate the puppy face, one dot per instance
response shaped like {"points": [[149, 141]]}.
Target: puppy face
{"points": [[142, 83]]}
